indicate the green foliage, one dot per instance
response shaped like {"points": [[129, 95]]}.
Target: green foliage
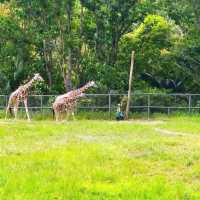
{"points": [[11, 53], [73, 41], [154, 42]]}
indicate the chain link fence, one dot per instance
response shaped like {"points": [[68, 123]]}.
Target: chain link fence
{"points": [[146, 103]]}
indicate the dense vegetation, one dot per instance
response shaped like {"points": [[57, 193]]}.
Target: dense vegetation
{"points": [[72, 41]]}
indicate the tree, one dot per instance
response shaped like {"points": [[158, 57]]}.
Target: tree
{"points": [[196, 7], [154, 41], [72, 41], [12, 52], [112, 19]]}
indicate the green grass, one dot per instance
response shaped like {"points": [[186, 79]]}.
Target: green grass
{"points": [[97, 159]]}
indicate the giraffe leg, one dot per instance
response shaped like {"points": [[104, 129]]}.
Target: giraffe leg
{"points": [[15, 110], [70, 112], [73, 115], [73, 111], [62, 116], [57, 115], [26, 108], [57, 111], [7, 109], [67, 114]]}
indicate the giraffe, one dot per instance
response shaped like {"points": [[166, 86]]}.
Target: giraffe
{"points": [[67, 102], [65, 105], [21, 95]]}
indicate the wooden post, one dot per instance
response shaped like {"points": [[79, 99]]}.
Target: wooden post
{"points": [[41, 105], [189, 103], [109, 103], [148, 107], [130, 85]]}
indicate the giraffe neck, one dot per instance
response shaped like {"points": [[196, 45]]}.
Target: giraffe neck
{"points": [[83, 89], [73, 98], [75, 94], [28, 85]]}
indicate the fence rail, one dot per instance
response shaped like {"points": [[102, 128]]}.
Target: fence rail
{"points": [[140, 102]]}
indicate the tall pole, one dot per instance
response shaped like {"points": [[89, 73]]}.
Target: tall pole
{"points": [[130, 84]]}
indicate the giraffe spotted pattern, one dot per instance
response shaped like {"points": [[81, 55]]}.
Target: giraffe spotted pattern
{"points": [[67, 102], [21, 95]]}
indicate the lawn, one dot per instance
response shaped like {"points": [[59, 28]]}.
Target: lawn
{"points": [[96, 160]]}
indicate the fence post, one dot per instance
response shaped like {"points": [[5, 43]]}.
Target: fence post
{"points": [[6, 98], [189, 103], [168, 111], [130, 84], [109, 104], [148, 106], [41, 105]]}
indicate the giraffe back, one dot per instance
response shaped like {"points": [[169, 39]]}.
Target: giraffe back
{"points": [[19, 95]]}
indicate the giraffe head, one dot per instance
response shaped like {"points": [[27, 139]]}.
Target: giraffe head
{"points": [[91, 84], [37, 77]]}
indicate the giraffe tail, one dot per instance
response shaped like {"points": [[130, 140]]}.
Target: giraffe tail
{"points": [[53, 113], [10, 110]]}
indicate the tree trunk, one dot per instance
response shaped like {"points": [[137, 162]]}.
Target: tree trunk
{"points": [[113, 54], [68, 77], [48, 71], [47, 59], [130, 85]]}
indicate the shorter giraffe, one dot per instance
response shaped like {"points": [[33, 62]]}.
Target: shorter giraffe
{"points": [[65, 105], [21, 95], [67, 102]]}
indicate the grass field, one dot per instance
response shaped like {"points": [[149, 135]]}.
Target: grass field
{"points": [[96, 160]]}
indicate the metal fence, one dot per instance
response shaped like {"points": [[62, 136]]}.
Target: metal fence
{"points": [[147, 103]]}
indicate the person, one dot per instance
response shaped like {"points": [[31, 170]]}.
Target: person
{"points": [[119, 114]]}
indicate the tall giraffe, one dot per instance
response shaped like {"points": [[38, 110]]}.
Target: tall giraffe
{"points": [[21, 95], [67, 102]]}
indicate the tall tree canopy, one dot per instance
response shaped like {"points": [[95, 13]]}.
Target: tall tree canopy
{"points": [[72, 41]]}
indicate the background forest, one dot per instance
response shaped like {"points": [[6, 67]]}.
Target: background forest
{"points": [[70, 42]]}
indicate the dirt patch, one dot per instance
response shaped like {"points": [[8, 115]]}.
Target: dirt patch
{"points": [[139, 154], [142, 122], [98, 138], [149, 122], [166, 132], [6, 122], [9, 146], [87, 138]]}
